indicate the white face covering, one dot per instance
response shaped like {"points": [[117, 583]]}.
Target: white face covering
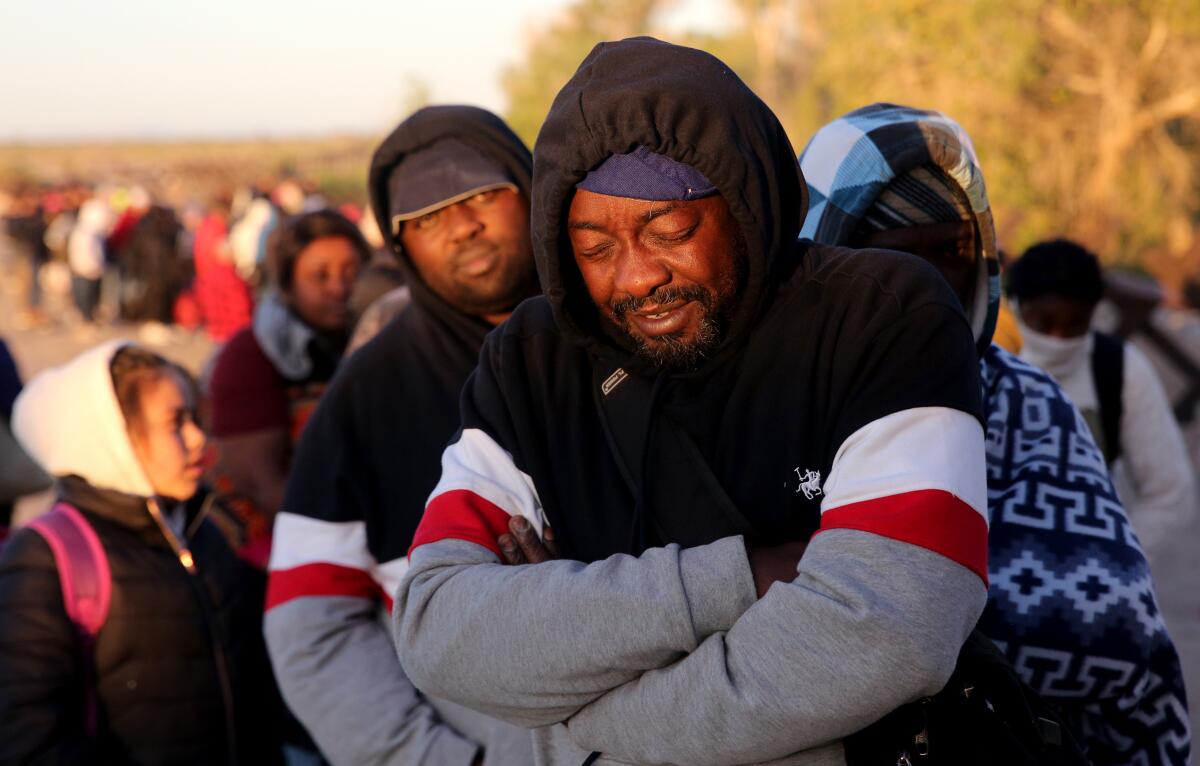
{"points": [[1061, 357]]}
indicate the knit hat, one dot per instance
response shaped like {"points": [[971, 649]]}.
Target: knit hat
{"points": [[923, 195], [642, 174]]}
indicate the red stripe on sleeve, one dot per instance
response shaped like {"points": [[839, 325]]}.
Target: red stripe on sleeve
{"points": [[462, 515], [930, 518], [320, 579]]}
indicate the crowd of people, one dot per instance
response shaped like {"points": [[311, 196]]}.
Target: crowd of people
{"points": [[659, 444], [118, 254]]}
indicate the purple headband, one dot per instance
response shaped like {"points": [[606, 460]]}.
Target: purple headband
{"points": [[642, 174]]}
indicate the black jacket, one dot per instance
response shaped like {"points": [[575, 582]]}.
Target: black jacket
{"points": [[181, 674], [394, 402], [844, 399], [824, 340]]}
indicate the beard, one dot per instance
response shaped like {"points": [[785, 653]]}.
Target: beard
{"points": [[678, 350], [687, 348]]}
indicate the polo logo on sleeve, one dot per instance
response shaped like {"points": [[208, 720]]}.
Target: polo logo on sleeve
{"points": [[810, 482]]}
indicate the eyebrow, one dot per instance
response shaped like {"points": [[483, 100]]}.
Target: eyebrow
{"points": [[585, 225], [655, 212], [647, 217]]}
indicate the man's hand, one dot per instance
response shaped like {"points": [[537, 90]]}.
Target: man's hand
{"points": [[522, 545], [775, 564]]}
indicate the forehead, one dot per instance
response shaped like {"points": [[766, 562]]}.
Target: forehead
{"points": [[923, 237], [331, 247], [165, 388], [590, 210], [1055, 304]]}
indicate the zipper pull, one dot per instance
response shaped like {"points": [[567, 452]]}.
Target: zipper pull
{"points": [[178, 546], [922, 739], [922, 742], [185, 558]]}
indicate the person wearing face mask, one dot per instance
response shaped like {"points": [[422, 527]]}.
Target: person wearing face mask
{"points": [[1055, 287], [176, 672], [267, 379]]}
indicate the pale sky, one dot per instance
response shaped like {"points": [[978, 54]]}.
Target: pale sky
{"points": [[100, 69]]}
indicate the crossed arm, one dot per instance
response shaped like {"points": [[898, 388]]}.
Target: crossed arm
{"points": [[632, 673], [668, 657]]}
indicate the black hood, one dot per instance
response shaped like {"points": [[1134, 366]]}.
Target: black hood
{"points": [[689, 106], [474, 126]]}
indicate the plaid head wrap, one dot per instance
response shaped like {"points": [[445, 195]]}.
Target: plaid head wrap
{"points": [[852, 167]]}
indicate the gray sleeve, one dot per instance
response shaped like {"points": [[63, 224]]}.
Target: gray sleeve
{"points": [[533, 644], [869, 624], [337, 671]]}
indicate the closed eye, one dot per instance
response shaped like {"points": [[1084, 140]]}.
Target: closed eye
{"points": [[598, 250], [678, 235]]}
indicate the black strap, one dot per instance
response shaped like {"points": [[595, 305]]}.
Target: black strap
{"points": [[1108, 372], [627, 407], [625, 401], [697, 511]]}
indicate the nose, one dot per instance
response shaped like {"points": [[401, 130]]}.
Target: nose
{"points": [[338, 286], [193, 437], [640, 273], [462, 223]]}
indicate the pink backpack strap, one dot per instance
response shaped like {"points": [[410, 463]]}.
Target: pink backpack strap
{"points": [[86, 587], [82, 566]]}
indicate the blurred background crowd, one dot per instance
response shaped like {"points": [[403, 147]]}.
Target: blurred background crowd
{"points": [[80, 255]]}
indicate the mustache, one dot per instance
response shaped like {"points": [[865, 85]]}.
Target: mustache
{"points": [[663, 296], [471, 250]]}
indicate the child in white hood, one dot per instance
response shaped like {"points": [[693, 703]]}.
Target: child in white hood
{"points": [[177, 672]]}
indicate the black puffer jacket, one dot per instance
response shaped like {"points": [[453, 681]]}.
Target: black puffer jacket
{"points": [[181, 673]]}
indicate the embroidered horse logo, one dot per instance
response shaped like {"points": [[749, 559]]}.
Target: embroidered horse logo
{"points": [[810, 482]]}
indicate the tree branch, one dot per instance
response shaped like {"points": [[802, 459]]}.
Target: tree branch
{"points": [[1183, 104]]}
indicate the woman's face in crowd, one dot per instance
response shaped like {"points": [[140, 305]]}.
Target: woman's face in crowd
{"points": [[322, 277], [166, 439]]}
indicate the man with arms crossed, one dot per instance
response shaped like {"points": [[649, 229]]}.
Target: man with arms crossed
{"points": [[695, 388]]}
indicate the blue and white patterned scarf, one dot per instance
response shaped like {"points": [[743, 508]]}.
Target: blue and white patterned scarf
{"points": [[1071, 601]]}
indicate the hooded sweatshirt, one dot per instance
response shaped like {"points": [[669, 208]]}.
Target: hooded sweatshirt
{"points": [[1071, 602], [365, 465], [179, 668], [815, 418]]}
